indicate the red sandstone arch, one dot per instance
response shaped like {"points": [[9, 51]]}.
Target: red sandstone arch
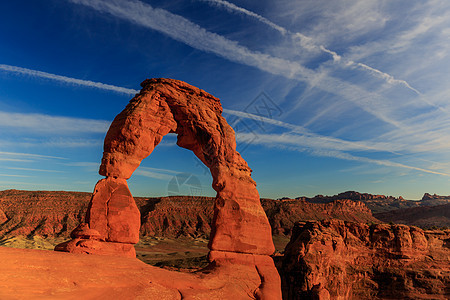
{"points": [[166, 105], [240, 231]]}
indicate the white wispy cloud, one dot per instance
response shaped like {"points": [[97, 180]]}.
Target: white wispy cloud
{"points": [[309, 138], [169, 171], [431, 136], [22, 184], [28, 155], [34, 170], [183, 30], [51, 124], [9, 159], [425, 132], [70, 143], [53, 142], [317, 148], [83, 164], [231, 7], [301, 139], [309, 43], [155, 173], [67, 80]]}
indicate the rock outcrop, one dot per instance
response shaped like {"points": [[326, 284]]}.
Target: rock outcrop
{"points": [[376, 203], [165, 106], [344, 260], [240, 231]]}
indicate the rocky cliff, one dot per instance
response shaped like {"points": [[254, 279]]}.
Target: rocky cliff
{"points": [[344, 260], [52, 214]]}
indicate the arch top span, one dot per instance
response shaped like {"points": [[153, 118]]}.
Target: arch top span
{"points": [[171, 106]]}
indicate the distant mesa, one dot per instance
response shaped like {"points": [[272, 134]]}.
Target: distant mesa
{"points": [[240, 230], [436, 199]]}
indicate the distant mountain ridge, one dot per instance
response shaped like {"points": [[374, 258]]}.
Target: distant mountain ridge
{"points": [[435, 199], [381, 203]]}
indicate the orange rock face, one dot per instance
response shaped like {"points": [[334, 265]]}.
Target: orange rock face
{"points": [[239, 229], [113, 212], [344, 260]]}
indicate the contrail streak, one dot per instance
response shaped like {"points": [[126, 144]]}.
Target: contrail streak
{"points": [[319, 145], [69, 80], [183, 30], [286, 142], [308, 43]]}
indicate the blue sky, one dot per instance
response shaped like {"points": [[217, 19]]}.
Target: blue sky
{"points": [[325, 96]]}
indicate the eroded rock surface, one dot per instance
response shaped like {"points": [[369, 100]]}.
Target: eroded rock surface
{"points": [[344, 260]]}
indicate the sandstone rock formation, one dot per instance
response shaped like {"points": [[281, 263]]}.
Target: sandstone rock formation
{"points": [[376, 203], [240, 231], [344, 260], [165, 106]]}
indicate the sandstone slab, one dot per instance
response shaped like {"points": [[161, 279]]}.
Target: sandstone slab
{"points": [[37, 274]]}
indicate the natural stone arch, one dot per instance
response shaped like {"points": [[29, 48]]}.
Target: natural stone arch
{"points": [[164, 106], [240, 231]]}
